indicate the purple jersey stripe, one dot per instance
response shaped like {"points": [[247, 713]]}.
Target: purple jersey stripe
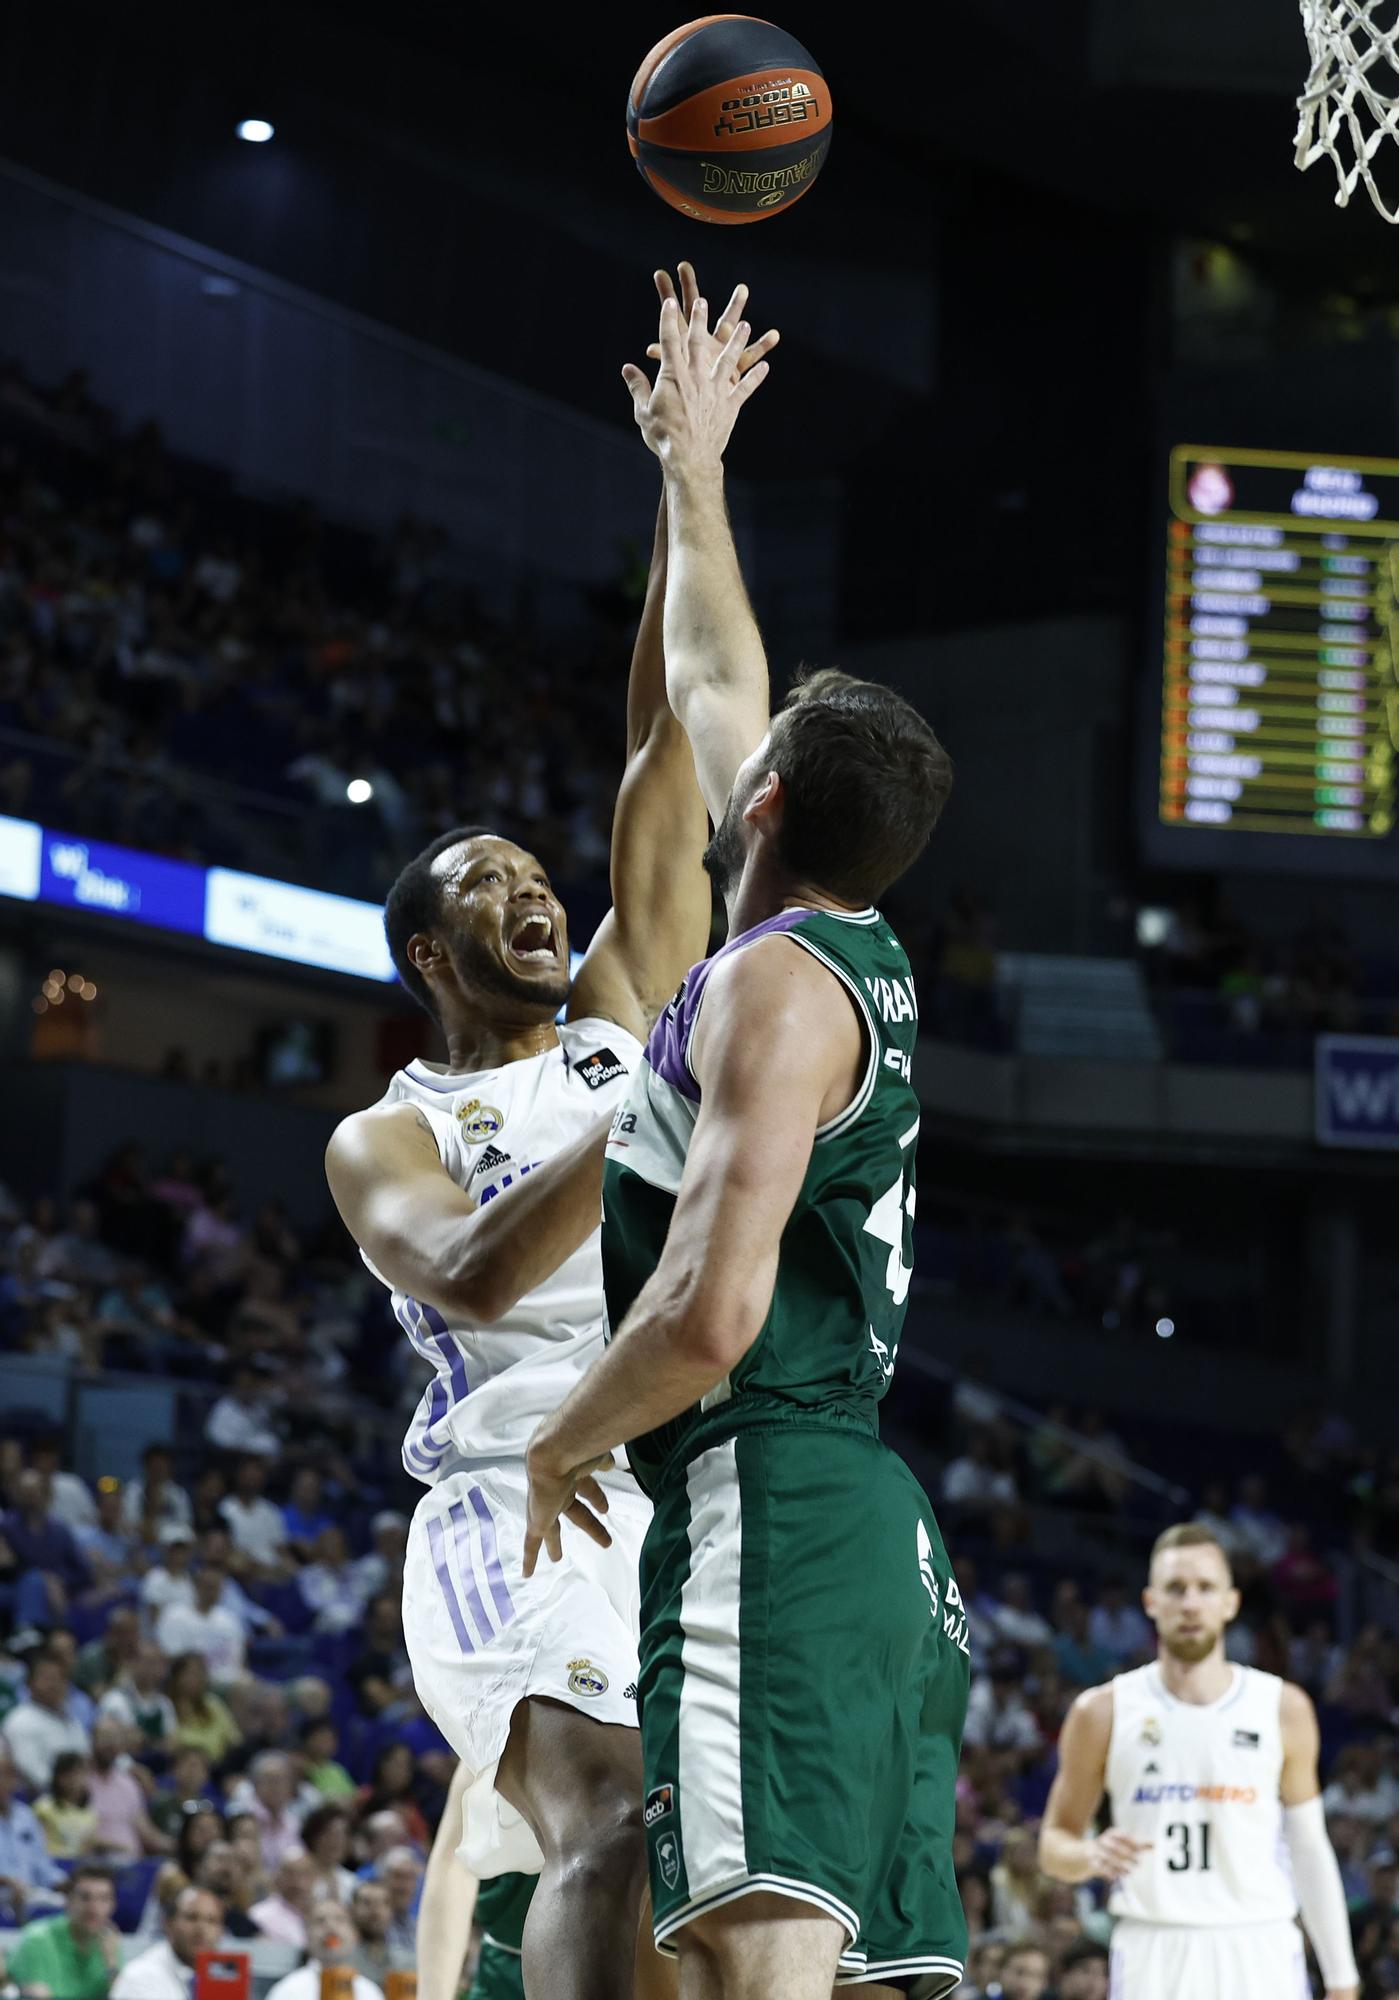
{"points": [[466, 1562], [444, 1577], [494, 1574], [450, 1352], [670, 1038]]}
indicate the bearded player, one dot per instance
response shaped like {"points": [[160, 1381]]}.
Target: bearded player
{"points": [[1210, 1769], [492, 1258], [803, 1656]]}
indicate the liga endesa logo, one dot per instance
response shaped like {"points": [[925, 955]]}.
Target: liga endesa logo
{"points": [[1185, 1795]]}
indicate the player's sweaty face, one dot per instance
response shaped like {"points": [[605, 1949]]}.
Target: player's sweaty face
{"points": [[501, 923], [1191, 1598]]}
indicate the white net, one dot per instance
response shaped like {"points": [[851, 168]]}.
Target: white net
{"points": [[1350, 107]]}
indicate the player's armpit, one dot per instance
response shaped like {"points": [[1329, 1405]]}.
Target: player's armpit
{"points": [[425, 1237]]}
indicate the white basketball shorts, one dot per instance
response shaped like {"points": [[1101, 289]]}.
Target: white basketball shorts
{"points": [[1171, 1962], [481, 1637]]}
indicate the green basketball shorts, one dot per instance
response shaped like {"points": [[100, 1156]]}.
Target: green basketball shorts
{"points": [[804, 1671], [499, 1974]]}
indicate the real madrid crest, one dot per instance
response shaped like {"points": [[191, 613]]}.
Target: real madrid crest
{"points": [[478, 1121], [585, 1678], [1151, 1731]]}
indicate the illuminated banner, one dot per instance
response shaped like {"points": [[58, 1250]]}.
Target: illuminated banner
{"points": [[1357, 1091], [244, 912], [1280, 709]]}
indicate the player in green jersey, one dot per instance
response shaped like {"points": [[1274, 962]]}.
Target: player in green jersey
{"points": [[803, 1656]]}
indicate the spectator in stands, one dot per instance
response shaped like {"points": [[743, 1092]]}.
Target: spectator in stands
{"points": [[70, 1501], [73, 1956], [261, 1710], [202, 1718], [1301, 1579], [245, 1838], [372, 1912], [1017, 1621], [155, 1496], [1362, 1789], [401, 1872], [382, 1568], [380, 1674], [1117, 1625], [269, 1794], [139, 1701], [166, 1971], [998, 1717], [283, 1913], [125, 1829], [320, 1744], [240, 1421], [255, 1524], [393, 1789], [974, 1486], [103, 1662], [185, 1792], [65, 1811], [1258, 1531], [1015, 1884], [1024, 1973], [1079, 1659], [325, 1833], [304, 1517], [207, 1497], [77, 1254], [1083, 1972], [51, 1569], [206, 1627], [332, 1941], [378, 1833], [334, 1589], [29, 1879], [221, 1869], [171, 1579], [40, 1728]]}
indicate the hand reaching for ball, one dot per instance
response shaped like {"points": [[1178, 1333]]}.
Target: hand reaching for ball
{"points": [[687, 415]]}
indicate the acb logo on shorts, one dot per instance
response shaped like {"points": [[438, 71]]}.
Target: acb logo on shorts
{"points": [[659, 1801], [585, 1678]]}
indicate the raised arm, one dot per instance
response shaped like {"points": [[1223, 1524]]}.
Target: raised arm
{"points": [[1069, 1851], [424, 1236], [659, 921], [779, 1052], [716, 668]]}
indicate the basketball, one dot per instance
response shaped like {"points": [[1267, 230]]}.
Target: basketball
{"points": [[729, 119]]}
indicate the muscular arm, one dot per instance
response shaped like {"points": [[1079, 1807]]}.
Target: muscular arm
{"points": [[659, 921], [447, 1906], [1068, 1850], [1320, 1893], [778, 1051], [424, 1236]]}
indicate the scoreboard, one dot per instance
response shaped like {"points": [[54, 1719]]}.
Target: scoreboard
{"points": [[1279, 710]]}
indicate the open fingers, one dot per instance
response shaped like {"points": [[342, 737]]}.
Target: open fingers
{"points": [[665, 285], [638, 382], [732, 313], [754, 353], [725, 362], [583, 1518], [672, 340], [589, 1490], [699, 325], [689, 287], [532, 1541], [748, 384]]}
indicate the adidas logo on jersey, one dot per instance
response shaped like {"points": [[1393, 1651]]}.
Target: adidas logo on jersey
{"points": [[492, 1157]]}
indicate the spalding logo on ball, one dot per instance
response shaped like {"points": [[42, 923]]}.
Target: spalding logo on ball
{"points": [[729, 119]]}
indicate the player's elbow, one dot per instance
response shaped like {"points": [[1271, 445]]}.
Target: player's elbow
{"points": [[477, 1291], [1053, 1860]]}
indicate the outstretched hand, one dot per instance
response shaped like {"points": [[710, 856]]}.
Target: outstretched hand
{"points": [[687, 415], [561, 1493]]}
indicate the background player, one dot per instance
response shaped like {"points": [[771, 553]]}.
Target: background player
{"points": [[1209, 1767], [496, 1279], [451, 1897], [804, 1663]]}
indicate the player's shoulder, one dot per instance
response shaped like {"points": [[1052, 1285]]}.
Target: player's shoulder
{"points": [[1092, 1707], [366, 1134], [1296, 1709]]}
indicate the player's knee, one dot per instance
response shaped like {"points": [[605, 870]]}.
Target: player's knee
{"points": [[605, 1844]]}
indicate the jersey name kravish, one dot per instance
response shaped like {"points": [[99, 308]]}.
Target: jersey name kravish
{"points": [[828, 1345], [1203, 1785], [491, 1386]]}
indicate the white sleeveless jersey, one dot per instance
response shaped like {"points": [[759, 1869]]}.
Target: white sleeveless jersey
{"points": [[490, 1387], [1202, 1784]]}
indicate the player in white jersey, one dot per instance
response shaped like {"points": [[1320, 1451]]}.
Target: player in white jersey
{"points": [[474, 1191], [1217, 1832]]}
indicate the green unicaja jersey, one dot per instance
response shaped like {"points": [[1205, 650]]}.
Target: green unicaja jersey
{"points": [[827, 1347]]}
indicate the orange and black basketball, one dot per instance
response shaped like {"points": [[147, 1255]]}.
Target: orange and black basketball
{"points": [[729, 119]]}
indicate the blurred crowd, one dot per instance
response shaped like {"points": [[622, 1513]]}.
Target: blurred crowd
{"points": [[188, 671]]}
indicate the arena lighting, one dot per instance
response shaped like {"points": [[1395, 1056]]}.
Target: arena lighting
{"points": [[359, 791], [256, 131], [1165, 1328]]}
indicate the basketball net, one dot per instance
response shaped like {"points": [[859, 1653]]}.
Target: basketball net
{"points": [[1350, 106]]}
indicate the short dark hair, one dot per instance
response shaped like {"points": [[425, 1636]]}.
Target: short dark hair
{"points": [[1024, 1948], [865, 780], [89, 1871], [1088, 1951], [413, 905]]}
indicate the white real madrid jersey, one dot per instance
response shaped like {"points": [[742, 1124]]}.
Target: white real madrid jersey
{"points": [[491, 1386], [1202, 1784]]}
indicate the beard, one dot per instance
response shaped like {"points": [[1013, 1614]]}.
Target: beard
{"points": [[1191, 1648], [724, 857], [482, 972]]}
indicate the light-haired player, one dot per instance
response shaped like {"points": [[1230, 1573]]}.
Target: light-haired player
{"points": [[1210, 1769], [473, 1190]]}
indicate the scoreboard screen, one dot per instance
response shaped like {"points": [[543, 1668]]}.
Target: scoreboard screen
{"points": [[1279, 688]]}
